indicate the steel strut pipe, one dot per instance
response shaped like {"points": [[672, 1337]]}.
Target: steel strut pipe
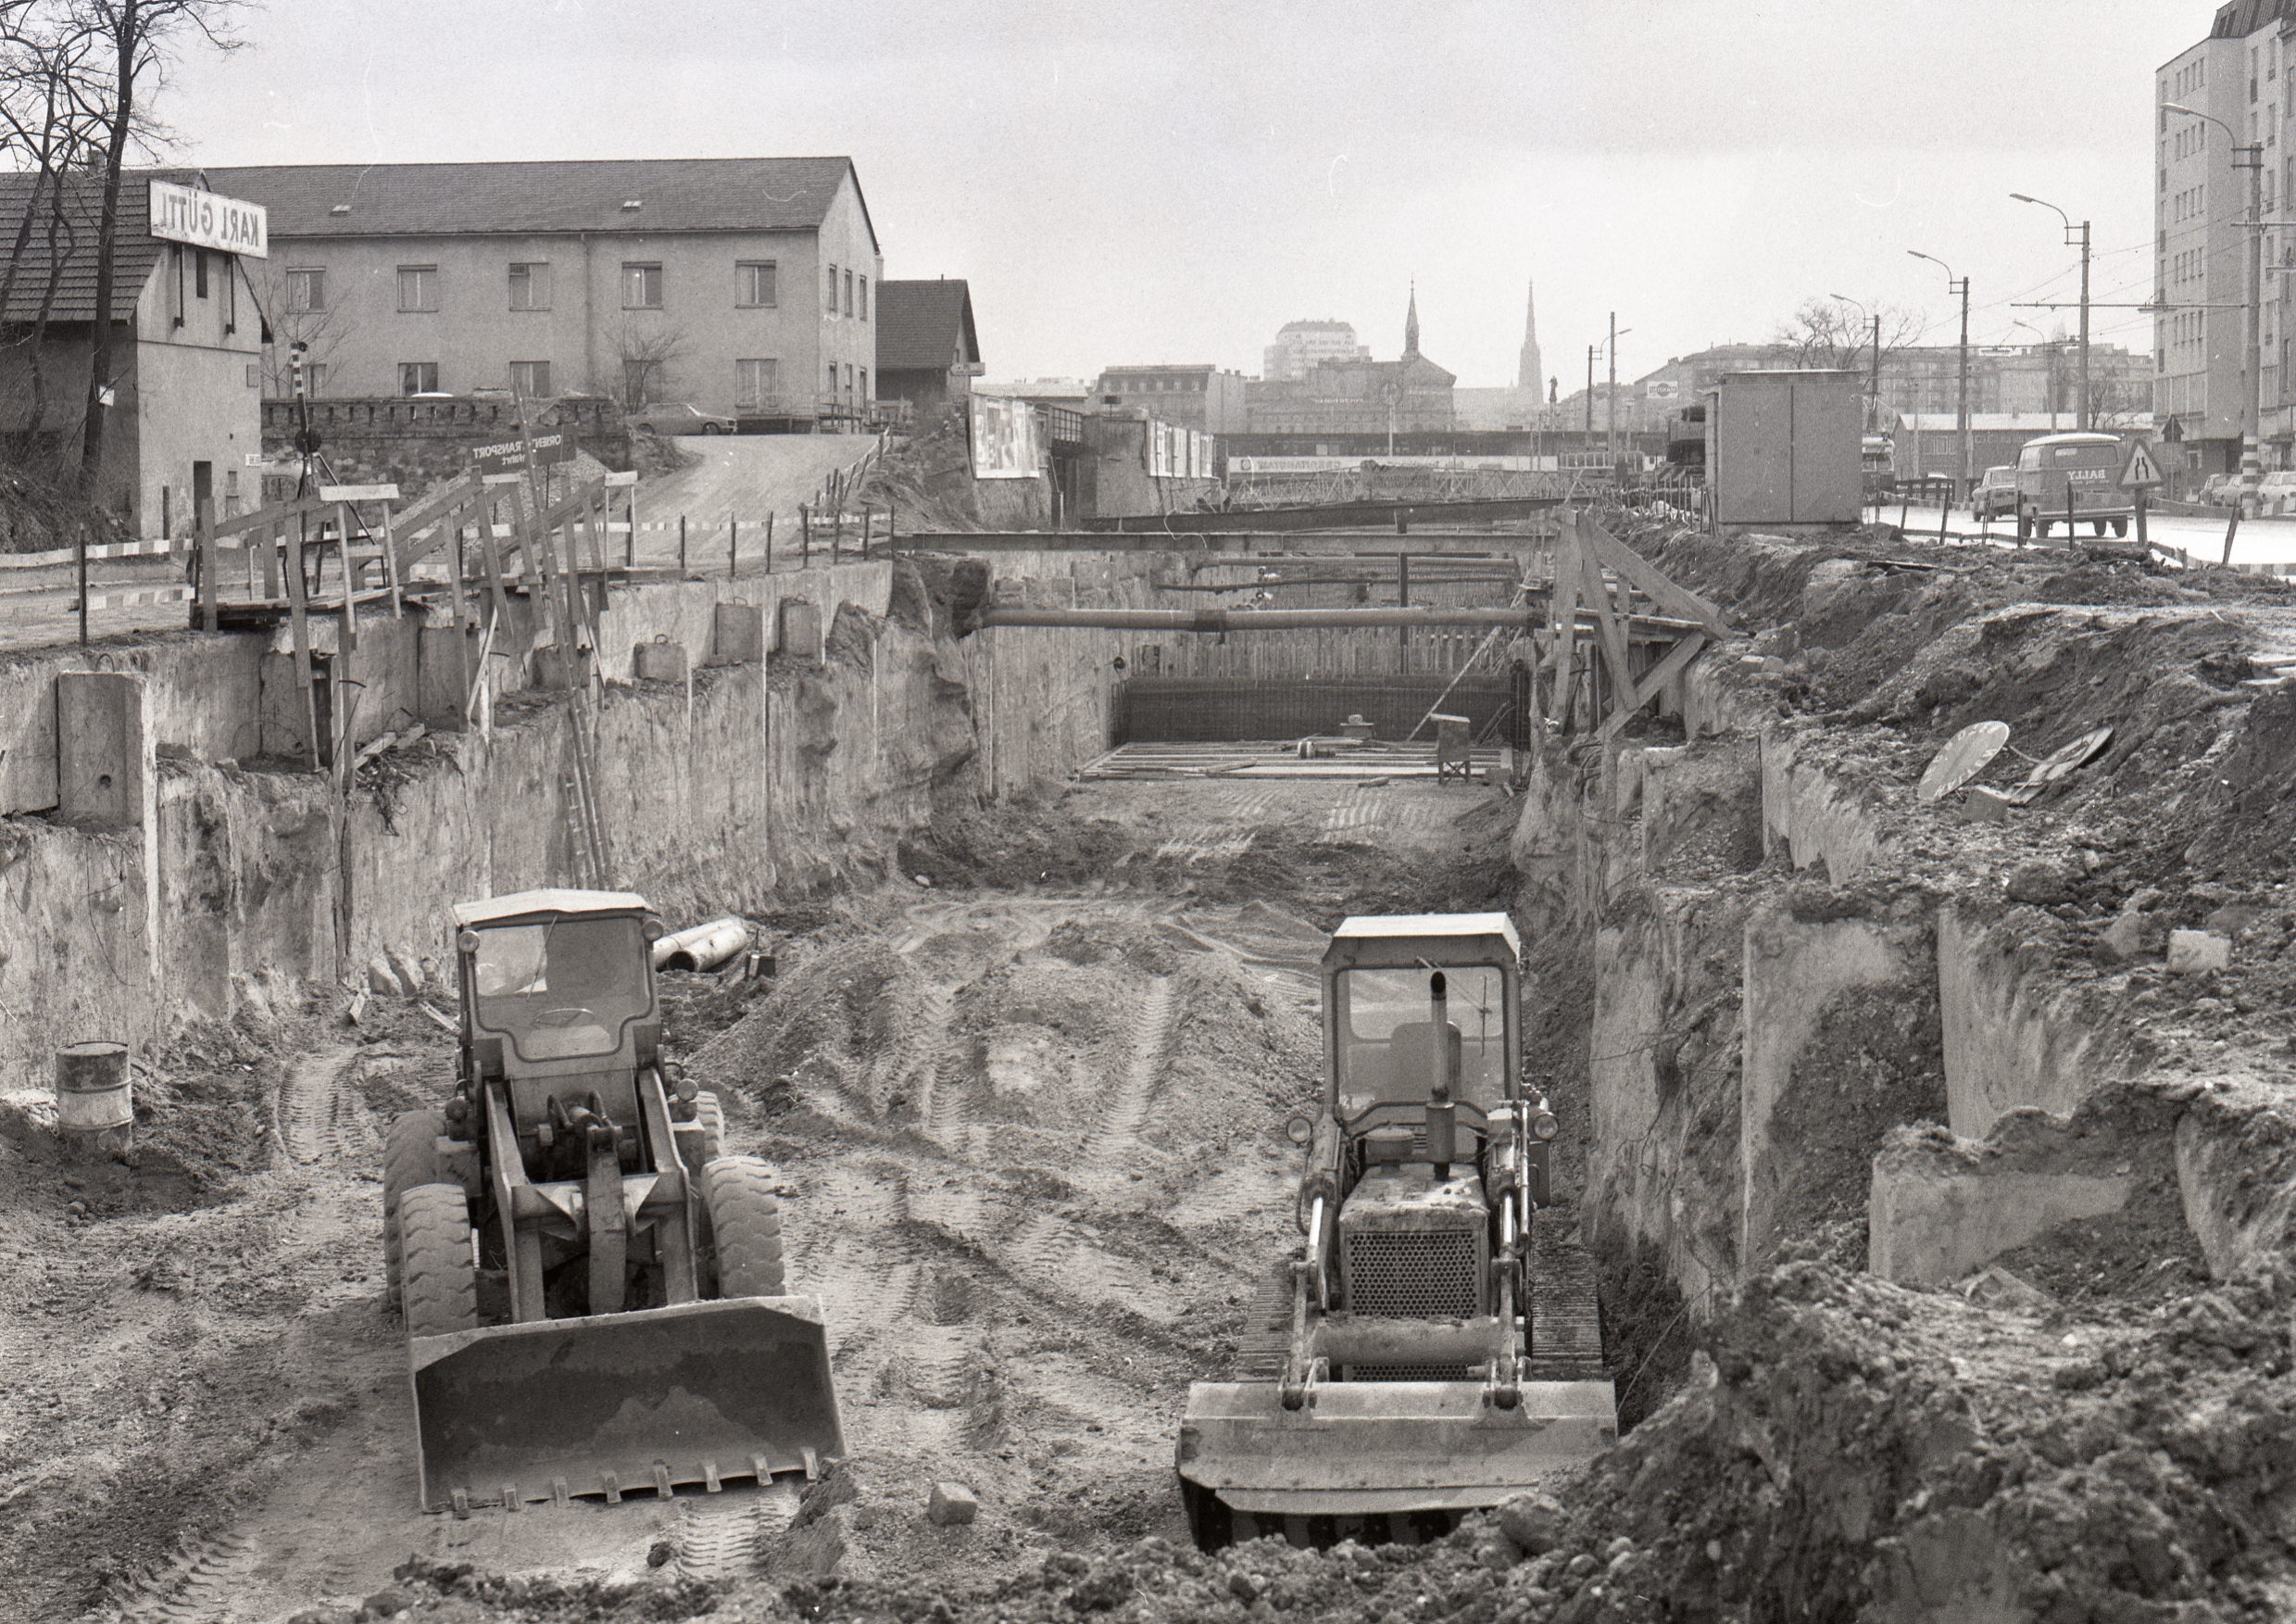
{"points": [[1257, 619], [1286, 620]]}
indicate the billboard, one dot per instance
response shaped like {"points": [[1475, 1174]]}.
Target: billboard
{"points": [[187, 214], [1007, 439], [1662, 389]]}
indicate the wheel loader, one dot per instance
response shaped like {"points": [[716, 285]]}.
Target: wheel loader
{"points": [[1402, 1380], [593, 1292]]}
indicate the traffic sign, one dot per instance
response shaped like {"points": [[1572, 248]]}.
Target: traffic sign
{"points": [[2140, 472]]}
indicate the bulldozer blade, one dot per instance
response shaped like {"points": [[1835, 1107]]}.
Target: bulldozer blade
{"points": [[1384, 1448], [695, 1393]]}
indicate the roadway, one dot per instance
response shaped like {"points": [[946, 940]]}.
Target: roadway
{"points": [[2259, 541]]}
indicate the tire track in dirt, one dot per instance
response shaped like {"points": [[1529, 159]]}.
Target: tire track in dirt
{"points": [[726, 1535], [203, 1586], [321, 1113]]}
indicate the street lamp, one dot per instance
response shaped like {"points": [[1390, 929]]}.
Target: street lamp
{"points": [[2251, 158], [2081, 419], [1610, 427], [1962, 286], [1873, 398], [2051, 374]]}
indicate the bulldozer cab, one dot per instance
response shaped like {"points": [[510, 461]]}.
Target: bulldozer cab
{"points": [[1379, 1031]]}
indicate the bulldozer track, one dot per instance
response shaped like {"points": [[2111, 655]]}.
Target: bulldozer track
{"points": [[203, 1586], [1566, 1317], [320, 1112]]}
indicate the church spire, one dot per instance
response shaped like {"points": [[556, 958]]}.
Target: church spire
{"points": [[1411, 324], [1529, 374]]}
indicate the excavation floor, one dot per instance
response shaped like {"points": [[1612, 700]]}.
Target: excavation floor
{"points": [[1033, 1145]]}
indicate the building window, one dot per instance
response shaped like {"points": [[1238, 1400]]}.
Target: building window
{"points": [[754, 286], [307, 290], [531, 379], [231, 294], [417, 377], [848, 378], [529, 286], [754, 383], [864, 298], [641, 287], [833, 380], [175, 265], [832, 308], [848, 293], [418, 287], [864, 382], [199, 272], [315, 378]]}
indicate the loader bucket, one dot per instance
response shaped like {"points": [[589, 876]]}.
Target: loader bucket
{"points": [[616, 1403], [1375, 1460]]}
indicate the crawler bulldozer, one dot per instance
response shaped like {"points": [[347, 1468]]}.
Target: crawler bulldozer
{"points": [[1398, 1372], [593, 1292]]}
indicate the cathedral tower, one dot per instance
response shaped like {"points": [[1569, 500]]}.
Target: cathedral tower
{"points": [[1529, 374]]}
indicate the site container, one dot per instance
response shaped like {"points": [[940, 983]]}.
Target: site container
{"points": [[1783, 447]]}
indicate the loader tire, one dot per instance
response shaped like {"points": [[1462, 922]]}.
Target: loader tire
{"points": [[746, 1225], [438, 1286], [409, 1157]]}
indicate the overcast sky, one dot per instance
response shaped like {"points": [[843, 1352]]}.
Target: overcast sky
{"points": [[1173, 182]]}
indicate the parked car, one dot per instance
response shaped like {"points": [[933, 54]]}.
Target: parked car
{"points": [[1995, 494], [2277, 493], [2220, 490], [676, 417]]}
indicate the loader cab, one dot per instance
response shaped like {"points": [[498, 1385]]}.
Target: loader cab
{"points": [[559, 1003]]}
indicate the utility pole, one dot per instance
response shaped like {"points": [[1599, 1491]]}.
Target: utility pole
{"points": [[2073, 234], [1872, 409], [2084, 418], [1610, 427], [1590, 392], [1954, 285], [1964, 387]]}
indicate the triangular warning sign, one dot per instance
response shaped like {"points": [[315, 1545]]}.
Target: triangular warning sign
{"points": [[2139, 470]]}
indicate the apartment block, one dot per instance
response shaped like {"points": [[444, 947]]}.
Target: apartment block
{"points": [[743, 285]]}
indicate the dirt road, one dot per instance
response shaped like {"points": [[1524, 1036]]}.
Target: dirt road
{"points": [[1033, 1146], [745, 478]]}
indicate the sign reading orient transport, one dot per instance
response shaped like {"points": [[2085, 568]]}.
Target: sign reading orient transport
{"points": [[185, 214]]}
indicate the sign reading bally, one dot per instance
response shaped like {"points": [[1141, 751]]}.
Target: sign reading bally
{"points": [[185, 214], [510, 455]]}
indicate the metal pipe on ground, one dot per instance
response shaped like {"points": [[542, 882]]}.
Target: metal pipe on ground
{"points": [[701, 946]]}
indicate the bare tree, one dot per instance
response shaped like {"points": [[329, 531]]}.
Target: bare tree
{"points": [[140, 39], [320, 332], [648, 354], [1835, 333], [45, 137]]}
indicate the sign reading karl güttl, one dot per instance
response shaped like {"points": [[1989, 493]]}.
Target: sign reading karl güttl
{"points": [[185, 214]]}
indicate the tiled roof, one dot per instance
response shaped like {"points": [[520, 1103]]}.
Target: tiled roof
{"points": [[921, 326], [674, 194], [63, 260]]}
